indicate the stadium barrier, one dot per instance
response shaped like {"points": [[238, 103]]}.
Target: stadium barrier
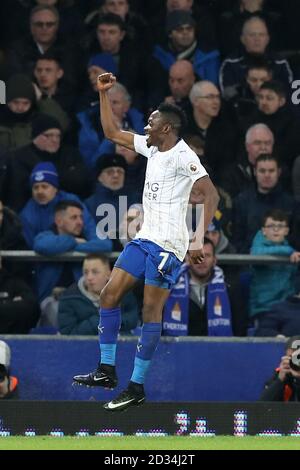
{"points": [[31, 256], [183, 370], [168, 419]]}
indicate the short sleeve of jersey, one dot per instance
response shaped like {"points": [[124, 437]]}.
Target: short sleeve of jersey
{"points": [[191, 166], [140, 145]]}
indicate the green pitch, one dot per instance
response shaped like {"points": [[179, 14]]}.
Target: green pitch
{"points": [[158, 443]]}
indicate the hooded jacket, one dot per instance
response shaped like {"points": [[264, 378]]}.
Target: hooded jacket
{"points": [[78, 312]]}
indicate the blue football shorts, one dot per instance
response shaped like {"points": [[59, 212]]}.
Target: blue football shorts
{"points": [[148, 262]]}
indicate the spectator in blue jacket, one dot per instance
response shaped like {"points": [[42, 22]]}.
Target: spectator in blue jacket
{"points": [[78, 311], [68, 234], [272, 284], [182, 44], [92, 143], [38, 214], [250, 205]]}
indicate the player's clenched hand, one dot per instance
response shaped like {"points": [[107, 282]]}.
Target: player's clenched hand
{"points": [[196, 256], [105, 81]]}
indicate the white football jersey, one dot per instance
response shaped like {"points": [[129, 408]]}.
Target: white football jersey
{"points": [[169, 179]]}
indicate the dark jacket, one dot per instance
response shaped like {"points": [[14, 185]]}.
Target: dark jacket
{"points": [[11, 238], [198, 315], [24, 53], [15, 129], [231, 24], [73, 175], [105, 195], [249, 208], [3, 172], [17, 316], [206, 64], [220, 140], [233, 70], [276, 390], [238, 177], [285, 127], [79, 315], [129, 72]]}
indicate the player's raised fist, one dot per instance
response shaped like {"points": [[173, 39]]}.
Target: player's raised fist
{"points": [[105, 81]]}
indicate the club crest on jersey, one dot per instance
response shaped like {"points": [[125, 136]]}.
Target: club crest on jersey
{"points": [[193, 168]]}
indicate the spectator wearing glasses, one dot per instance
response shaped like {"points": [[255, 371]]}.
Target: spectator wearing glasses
{"points": [[47, 146], [254, 42], [44, 38], [239, 176], [210, 123], [272, 284]]}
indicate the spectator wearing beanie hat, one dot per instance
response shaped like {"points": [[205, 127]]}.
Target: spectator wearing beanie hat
{"points": [[97, 64], [24, 52], [46, 146], [182, 44], [100, 63], [38, 214], [22, 106], [111, 174]]}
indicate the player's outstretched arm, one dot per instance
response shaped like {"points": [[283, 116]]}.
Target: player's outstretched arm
{"points": [[112, 132], [210, 198]]}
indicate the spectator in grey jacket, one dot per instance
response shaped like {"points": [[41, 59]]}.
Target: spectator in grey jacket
{"points": [[78, 311]]}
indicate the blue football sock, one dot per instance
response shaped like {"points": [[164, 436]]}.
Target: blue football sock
{"points": [[110, 322], [146, 347]]}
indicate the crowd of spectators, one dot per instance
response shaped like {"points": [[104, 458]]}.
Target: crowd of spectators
{"points": [[230, 65]]}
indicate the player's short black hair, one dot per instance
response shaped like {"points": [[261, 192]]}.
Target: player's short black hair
{"points": [[276, 86], [175, 116], [64, 205]]}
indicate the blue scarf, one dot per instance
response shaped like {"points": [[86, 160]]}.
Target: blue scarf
{"points": [[176, 311]]}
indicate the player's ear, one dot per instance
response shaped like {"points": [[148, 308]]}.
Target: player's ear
{"points": [[167, 128]]}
